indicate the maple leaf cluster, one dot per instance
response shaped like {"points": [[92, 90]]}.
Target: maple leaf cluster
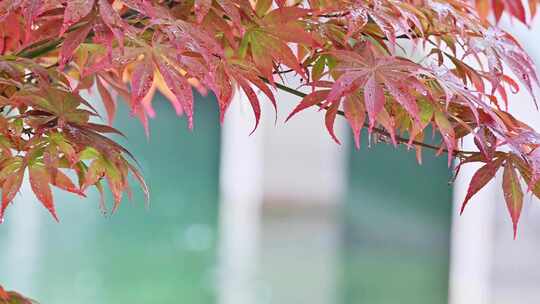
{"points": [[356, 58]]}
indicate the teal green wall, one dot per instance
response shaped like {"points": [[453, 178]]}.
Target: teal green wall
{"points": [[396, 227], [166, 254]]}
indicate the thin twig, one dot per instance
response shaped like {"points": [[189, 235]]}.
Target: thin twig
{"points": [[283, 72]]}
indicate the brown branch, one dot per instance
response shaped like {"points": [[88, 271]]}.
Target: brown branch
{"points": [[283, 72]]}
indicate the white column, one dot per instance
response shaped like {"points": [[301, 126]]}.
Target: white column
{"points": [[241, 198], [304, 182], [472, 238]]}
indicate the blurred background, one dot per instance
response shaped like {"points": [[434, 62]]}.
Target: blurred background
{"points": [[282, 216]]}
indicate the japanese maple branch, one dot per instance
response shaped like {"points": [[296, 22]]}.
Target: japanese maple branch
{"points": [[399, 139], [46, 46]]}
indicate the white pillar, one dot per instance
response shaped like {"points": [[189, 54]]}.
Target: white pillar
{"points": [[241, 198], [472, 240], [289, 166], [304, 182]]}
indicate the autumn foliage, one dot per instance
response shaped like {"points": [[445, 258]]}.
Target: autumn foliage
{"points": [[400, 69]]}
